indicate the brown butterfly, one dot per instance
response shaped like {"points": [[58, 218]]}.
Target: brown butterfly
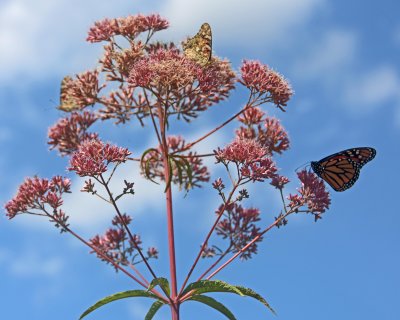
{"points": [[199, 47], [67, 102]]}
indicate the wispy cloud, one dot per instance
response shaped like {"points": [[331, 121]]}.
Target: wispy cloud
{"points": [[43, 38], [335, 64], [236, 20], [373, 89], [29, 263], [327, 56]]}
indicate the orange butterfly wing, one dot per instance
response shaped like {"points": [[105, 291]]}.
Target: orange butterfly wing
{"points": [[341, 170]]}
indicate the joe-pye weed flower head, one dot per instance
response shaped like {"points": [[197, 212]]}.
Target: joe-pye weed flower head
{"points": [[154, 85]]}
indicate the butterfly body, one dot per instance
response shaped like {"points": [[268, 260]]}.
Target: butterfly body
{"points": [[199, 47], [342, 169]]}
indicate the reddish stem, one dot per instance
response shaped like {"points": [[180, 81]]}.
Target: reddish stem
{"points": [[171, 238], [170, 216]]}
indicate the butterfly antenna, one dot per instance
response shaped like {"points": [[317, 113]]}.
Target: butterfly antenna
{"points": [[49, 107], [307, 164]]}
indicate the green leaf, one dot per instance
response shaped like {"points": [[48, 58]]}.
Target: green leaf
{"points": [[203, 286], [180, 176], [189, 171], [162, 282], [251, 293], [146, 164], [153, 309], [146, 152], [211, 302], [211, 286], [171, 174], [118, 296]]}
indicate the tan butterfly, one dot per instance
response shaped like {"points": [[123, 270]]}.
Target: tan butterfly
{"points": [[199, 47], [67, 102]]}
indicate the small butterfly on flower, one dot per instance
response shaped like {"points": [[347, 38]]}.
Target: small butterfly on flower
{"points": [[199, 47], [67, 102]]}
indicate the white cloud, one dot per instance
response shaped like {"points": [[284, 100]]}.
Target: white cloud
{"points": [[334, 63], [373, 89], [45, 38], [30, 264], [328, 56], [236, 21]]}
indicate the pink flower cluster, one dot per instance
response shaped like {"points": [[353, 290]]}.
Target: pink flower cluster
{"points": [[152, 252], [93, 157], [249, 157], [241, 151], [118, 63], [122, 105], [313, 192], [267, 131], [68, 133], [279, 181], [129, 27], [239, 226], [83, 90], [172, 77], [262, 79], [218, 184], [164, 69], [274, 136], [161, 68], [35, 193], [116, 246], [252, 116]]}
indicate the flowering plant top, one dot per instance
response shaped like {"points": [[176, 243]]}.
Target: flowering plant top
{"points": [[157, 84]]}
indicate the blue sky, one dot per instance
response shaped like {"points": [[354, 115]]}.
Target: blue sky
{"points": [[341, 58]]}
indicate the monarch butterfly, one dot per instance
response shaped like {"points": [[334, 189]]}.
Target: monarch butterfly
{"points": [[341, 170], [67, 102], [199, 47]]}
